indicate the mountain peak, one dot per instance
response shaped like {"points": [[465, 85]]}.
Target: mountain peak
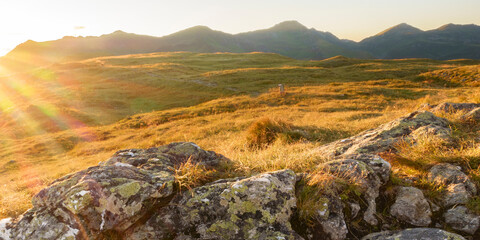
{"points": [[118, 32], [452, 26], [401, 28], [289, 26], [199, 28]]}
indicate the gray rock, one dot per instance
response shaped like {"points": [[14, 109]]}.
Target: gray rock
{"points": [[472, 116], [384, 137], [411, 206], [331, 220], [414, 234], [461, 219], [439, 133], [454, 107], [369, 172], [259, 207], [43, 224], [459, 187], [110, 198]]}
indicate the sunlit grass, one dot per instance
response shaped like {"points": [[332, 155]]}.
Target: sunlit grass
{"points": [[325, 101]]}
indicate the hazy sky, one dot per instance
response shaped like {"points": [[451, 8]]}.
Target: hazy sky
{"points": [[42, 20]]}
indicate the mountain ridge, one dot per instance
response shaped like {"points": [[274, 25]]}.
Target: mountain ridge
{"points": [[289, 38]]}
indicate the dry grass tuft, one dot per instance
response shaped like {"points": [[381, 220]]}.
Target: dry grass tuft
{"points": [[190, 175]]}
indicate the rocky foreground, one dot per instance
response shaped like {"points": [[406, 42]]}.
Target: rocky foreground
{"points": [[134, 195]]}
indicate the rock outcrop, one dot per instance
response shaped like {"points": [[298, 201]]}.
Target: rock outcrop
{"points": [[258, 207], [383, 138], [110, 198]]}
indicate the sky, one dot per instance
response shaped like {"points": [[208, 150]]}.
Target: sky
{"points": [[42, 20]]}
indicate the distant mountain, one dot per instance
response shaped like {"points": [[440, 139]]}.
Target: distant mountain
{"points": [[294, 40], [288, 38], [404, 41]]}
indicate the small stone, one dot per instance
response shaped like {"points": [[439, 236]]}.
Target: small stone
{"points": [[411, 207], [355, 209], [461, 219], [459, 187]]}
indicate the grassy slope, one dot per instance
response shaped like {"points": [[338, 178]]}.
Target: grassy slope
{"points": [[210, 99]]}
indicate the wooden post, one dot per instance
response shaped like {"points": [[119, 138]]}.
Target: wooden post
{"points": [[282, 89]]}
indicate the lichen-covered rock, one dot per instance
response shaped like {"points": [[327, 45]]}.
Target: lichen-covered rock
{"points": [[43, 224], [368, 172], [472, 116], [384, 137], [110, 198], [414, 234], [331, 220], [454, 107], [461, 219], [258, 207], [438, 133], [459, 187], [411, 206]]}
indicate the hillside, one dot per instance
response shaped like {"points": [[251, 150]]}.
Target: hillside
{"points": [[210, 99], [103, 90]]}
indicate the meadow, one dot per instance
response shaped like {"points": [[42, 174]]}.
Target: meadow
{"points": [[65, 117]]}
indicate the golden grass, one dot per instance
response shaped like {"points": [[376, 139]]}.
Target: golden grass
{"points": [[326, 101]]}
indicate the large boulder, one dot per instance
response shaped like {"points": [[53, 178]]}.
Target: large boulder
{"points": [[383, 138], [258, 207], [459, 187], [411, 206], [414, 234], [461, 219], [110, 198]]}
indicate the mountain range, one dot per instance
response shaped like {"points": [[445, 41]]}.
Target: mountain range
{"points": [[289, 38]]}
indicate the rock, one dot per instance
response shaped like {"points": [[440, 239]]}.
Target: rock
{"points": [[411, 206], [258, 207], [461, 219], [5, 229], [330, 220], [384, 137], [110, 198], [355, 209], [439, 133], [414, 234], [472, 116], [369, 172], [459, 187], [454, 107], [42, 224]]}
